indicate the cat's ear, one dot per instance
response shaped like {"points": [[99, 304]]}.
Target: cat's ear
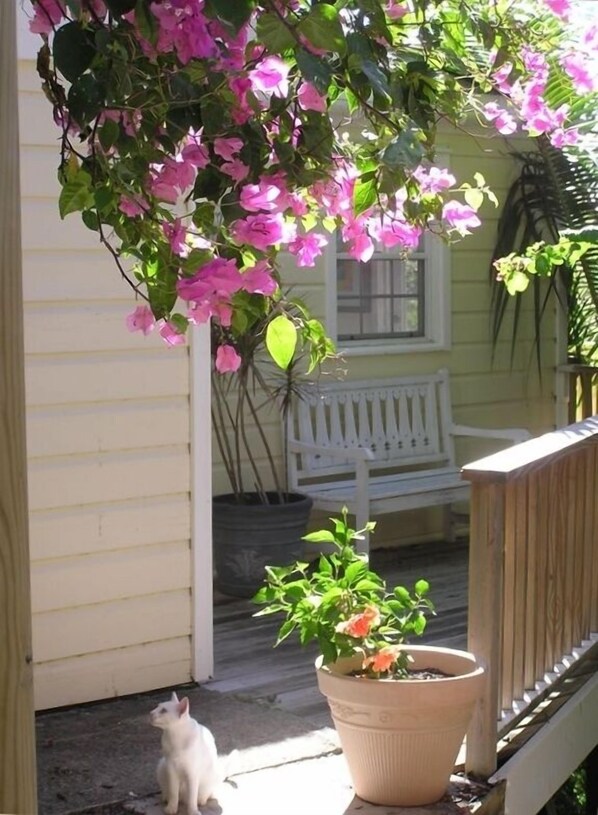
{"points": [[183, 706], [174, 697]]}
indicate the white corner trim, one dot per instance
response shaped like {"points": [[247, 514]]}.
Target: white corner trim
{"points": [[542, 765], [202, 623]]}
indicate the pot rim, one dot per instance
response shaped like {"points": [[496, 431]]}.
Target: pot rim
{"points": [[476, 668]]}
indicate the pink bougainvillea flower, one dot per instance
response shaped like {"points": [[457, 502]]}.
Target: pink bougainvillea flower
{"points": [[169, 333], [219, 276], [560, 138], [46, 15], [383, 660], [132, 205], [434, 179], [227, 148], [504, 122], [361, 247], [461, 217], [270, 77], [227, 359], [582, 71], [535, 63], [258, 279], [501, 75], [235, 169], [260, 231], [141, 319], [196, 154], [177, 237], [562, 8], [392, 230], [260, 197], [395, 10], [309, 98], [307, 248], [221, 310], [359, 625]]}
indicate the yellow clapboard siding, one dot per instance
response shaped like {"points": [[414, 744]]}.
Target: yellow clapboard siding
{"points": [[35, 118], [44, 229], [106, 674], [52, 380], [58, 584], [67, 275], [88, 479], [105, 626], [124, 425], [54, 328], [57, 533]]}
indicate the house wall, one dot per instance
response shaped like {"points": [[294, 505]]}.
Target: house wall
{"points": [[488, 390], [108, 456]]}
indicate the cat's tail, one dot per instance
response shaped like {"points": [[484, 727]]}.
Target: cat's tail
{"points": [[227, 764]]}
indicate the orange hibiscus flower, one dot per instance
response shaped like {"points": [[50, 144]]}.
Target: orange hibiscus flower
{"points": [[359, 625]]}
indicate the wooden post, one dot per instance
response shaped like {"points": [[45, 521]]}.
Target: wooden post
{"points": [[487, 530], [17, 735]]}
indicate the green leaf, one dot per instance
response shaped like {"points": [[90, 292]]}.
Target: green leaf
{"points": [[85, 99], [73, 51], [323, 28], [234, 12], [76, 194], [285, 629], [322, 536], [275, 35], [377, 77], [404, 151], [281, 340], [354, 570], [422, 587], [146, 22], [474, 197], [108, 134], [365, 193], [315, 70]]}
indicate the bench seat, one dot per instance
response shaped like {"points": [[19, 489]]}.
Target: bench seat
{"points": [[380, 446]]}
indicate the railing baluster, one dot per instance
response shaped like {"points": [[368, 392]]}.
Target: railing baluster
{"points": [[533, 593]]}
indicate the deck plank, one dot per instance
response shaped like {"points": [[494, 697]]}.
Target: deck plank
{"points": [[248, 665]]}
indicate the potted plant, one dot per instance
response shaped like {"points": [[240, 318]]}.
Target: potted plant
{"points": [[401, 711], [257, 369]]}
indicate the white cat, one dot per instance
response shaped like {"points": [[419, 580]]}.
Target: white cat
{"points": [[189, 769]]}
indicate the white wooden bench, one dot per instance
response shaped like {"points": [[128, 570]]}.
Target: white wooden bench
{"points": [[380, 446]]}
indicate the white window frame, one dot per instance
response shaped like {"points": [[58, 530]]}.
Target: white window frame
{"points": [[437, 303]]}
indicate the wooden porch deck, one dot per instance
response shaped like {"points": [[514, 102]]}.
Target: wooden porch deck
{"points": [[246, 663]]}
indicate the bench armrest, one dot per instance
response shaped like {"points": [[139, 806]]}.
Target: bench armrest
{"points": [[351, 453], [514, 434]]}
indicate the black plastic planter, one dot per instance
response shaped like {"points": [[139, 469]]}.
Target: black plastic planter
{"points": [[248, 537]]}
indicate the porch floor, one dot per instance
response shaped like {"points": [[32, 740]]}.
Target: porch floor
{"points": [[246, 664]]}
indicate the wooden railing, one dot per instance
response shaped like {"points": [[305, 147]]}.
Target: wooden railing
{"points": [[533, 574], [582, 390]]}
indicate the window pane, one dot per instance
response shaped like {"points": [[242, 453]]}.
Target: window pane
{"points": [[383, 298]]}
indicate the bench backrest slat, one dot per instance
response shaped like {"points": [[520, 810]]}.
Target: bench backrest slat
{"points": [[405, 422]]}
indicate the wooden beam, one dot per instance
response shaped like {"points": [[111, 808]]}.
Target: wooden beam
{"points": [[17, 737]]}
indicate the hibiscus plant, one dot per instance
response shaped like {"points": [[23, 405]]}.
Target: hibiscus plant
{"points": [[340, 602]]}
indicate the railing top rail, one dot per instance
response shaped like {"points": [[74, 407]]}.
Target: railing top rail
{"points": [[578, 368], [533, 453]]}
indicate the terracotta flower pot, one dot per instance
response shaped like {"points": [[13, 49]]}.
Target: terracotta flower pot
{"points": [[401, 738]]}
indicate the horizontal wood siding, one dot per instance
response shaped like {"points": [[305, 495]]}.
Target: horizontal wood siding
{"points": [[108, 446]]}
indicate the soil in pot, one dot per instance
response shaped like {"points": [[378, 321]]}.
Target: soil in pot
{"points": [[249, 536]]}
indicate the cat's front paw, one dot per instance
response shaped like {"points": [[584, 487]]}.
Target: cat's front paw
{"points": [[171, 809]]}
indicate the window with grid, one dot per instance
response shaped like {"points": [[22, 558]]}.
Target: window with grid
{"points": [[384, 298]]}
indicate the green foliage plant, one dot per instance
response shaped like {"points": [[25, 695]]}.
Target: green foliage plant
{"points": [[345, 606]]}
